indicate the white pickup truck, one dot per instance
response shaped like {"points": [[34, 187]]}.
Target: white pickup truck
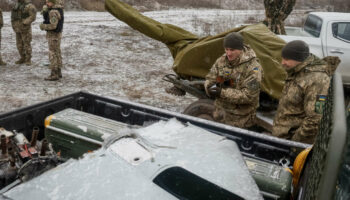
{"points": [[328, 34]]}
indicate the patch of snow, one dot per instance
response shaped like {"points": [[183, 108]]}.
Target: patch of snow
{"points": [[83, 128], [104, 56]]}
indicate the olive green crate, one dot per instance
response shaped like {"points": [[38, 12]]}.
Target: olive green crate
{"points": [[73, 133]]}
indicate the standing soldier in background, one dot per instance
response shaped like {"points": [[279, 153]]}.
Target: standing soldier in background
{"points": [[23, 15], [234, 81], [53, 25], [1, 25]]}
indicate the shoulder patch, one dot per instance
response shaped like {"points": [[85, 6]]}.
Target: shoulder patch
{"points": [[53, 19], [227, 73], [256, 69], [253, 85], [320, 103], [321, 97]]}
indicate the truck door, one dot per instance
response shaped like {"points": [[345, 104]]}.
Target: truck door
{"points": [[338, 44]]}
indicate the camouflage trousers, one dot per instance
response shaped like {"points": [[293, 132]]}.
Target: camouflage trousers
{"points": [[241, 121], [23, 42], [55, 57], [0, 47]]}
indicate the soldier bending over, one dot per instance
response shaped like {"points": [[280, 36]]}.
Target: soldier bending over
{"points": [[303, 96], [234, 80]]}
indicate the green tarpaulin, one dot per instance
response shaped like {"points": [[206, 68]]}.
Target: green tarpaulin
{"points": [[194, 56]]}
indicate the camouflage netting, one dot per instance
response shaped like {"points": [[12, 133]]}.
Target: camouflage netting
{"points": [[316, 169], [194, 56], [320, 148], [343, 188]]}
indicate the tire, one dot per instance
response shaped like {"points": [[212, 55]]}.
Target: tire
{"points": [[202, 108]]}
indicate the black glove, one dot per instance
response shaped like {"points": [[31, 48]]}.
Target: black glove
{"points": [[214, 91]]}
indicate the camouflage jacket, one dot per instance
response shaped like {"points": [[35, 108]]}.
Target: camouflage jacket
{"points": [[241, 87], [303, 97], [23, 14], [54, 18], [1, 19]]}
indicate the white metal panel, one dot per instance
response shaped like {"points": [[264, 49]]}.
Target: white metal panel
{"points": [[340, 48]]}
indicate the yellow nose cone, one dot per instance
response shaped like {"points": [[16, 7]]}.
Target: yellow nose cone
{"points": [[298, 165], [48, 120]]}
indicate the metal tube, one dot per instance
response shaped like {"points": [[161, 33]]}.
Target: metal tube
{"points": [[34, 136], [43, 147], [3, 145], [12, 157]]}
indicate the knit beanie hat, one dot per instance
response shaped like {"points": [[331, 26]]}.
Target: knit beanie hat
{"points": [[234, 41], [52, 1], [296, 50]]}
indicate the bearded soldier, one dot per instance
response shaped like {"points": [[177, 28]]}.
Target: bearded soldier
{"points": [[53, 25], [22, 16], [303, 96], [234, 80], [1, 25]]}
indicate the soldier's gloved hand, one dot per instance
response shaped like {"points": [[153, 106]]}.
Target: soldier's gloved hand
{"points": [[45, 9], [41, 26], [214, 91]]}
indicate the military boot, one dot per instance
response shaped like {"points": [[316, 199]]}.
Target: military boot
{"points": [[53, 76], [2, 63], [20, 61], [28, 61], [59, 73]]}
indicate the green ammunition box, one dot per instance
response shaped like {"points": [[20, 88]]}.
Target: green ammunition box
{"points": [[73, 133], [274, 181]]}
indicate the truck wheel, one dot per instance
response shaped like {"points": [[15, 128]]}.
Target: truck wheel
{"points": [[202, 108]]}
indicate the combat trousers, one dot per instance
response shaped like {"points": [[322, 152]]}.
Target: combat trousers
{"points": [[23, 42], [0, 47], [55, 57], [241, 121]]}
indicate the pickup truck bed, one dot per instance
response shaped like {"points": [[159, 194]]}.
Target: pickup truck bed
{"points": [[251, 144], [326, 174]]}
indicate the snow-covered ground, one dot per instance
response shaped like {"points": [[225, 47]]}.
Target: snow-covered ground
{"points": [[105, 56]]}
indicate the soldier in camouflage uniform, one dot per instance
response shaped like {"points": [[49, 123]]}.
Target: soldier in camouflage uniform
{"points": [[303, 96], [234, 80], [53, 25], [1, 25], [22, 16]]}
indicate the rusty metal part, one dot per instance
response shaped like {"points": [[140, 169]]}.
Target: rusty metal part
{"points": [[12, 157], [34, 136], [43, 147], [3, 145]]}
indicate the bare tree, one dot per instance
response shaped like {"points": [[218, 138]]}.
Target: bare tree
{"points": [[276, 11]]}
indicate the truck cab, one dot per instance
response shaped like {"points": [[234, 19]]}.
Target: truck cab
{"points": [[327, 34]]}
